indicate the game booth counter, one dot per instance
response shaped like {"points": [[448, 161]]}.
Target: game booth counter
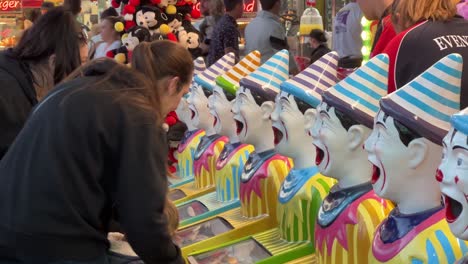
{"points": [[263, 172], [231, 161]]}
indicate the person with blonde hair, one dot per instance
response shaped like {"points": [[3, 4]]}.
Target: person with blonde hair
{"points": [[430, 30]]}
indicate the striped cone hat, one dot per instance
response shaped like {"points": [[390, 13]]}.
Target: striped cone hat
{"points": [[229, 81], [207, 79], [199, 66], [426, 103], [266, 80], [460, 121], [310, 84], [358, 94]]}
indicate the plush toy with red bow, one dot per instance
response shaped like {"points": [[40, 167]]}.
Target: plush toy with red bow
{"points": [[175, 131]]}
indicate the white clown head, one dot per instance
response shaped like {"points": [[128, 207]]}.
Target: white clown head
{"points": [[453, 175], [343, 123], [222, 99], [252, 108], [405, 145], [298, 96], [203, 86]]}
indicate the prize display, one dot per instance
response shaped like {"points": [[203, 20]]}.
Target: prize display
{"points": [[230, 162], [264, 170], [352, 211], [211, 144], [405, 149], [303, 189]]}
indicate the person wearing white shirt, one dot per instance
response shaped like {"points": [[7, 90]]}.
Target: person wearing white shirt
{"points": [[110, 38]]}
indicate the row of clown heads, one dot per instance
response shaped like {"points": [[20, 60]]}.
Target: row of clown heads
{"points": [[364, 176]]}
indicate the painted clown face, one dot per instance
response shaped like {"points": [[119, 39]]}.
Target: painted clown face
{"points": [[288, 125], [248, 116], [220, 108], [389, 157], [453, 177], [330, 139], [198, 104], [184, 113]]}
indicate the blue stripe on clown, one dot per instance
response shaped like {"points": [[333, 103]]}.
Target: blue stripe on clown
{"points": [[351, 212], [265, 169], [211, 144], [405, 150]]}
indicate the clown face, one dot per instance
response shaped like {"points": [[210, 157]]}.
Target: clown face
{"points": [[330, 139], [288, 125], [220, 108], [453, 178], [249, 118], [198, 104], [389, 157], [184, 113]]}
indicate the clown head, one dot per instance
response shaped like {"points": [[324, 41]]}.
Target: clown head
{"points": [[220, 108], [343, 122], [253, 107], [453, 175], [200, 114], [253, 124], [405, 145]]}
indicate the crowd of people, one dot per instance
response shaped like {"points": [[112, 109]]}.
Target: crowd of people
{"points": [[81, 137]]}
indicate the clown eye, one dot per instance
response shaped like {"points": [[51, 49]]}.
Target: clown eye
{"points": [[459, 162]]}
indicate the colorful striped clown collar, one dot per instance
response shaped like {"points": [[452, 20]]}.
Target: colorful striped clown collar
{"points": [[204, 144], [295, 180], [255, 161]]}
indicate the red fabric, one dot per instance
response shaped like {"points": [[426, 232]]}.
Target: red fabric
{"points": [[392, 51], [110, 54], [115, 4], [172, 37], [388, 33]]}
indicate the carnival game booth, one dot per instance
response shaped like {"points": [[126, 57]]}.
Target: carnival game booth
{"points": [[302, 191], [263, 172], [211, 144], [231, 161]]}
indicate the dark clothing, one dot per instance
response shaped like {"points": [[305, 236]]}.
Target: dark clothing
{"points": [[415, 50], [17, 98], [225, 35], [318, 52], [83, 153]]}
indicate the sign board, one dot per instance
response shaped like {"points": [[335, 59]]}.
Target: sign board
{"points": [[250, 6], [10, 5]]}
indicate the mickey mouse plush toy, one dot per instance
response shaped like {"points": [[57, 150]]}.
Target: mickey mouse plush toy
{"points": [[135, 36]]}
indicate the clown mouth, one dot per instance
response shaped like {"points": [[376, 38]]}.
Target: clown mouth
{"points": [[320, 155], [278, 135], [453, 209], [215, 121], [375, 174], [239, 126], [193, 114]]}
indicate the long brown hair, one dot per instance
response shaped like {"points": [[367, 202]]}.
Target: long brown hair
{"points": [[159, 60], [55, 33], [410, 12]]}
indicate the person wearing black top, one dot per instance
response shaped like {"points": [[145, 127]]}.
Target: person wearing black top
{"points": [[93, 145], [318, 42]]}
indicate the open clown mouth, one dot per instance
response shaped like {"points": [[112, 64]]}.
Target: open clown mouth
{"points": [[453, 209], [193, 114], [239, 126], [278, 135], [215, 120], [320, 155], [375, 174]]}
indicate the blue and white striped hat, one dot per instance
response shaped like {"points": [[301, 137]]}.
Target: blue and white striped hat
{"points": [[265, 81], [207, 79], [198, 66], [358, 94], [460, 121], [310, 84], [426, 103]]}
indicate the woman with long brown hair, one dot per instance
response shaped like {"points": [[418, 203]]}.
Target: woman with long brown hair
{"points": [[95, 145], [46, 53]]}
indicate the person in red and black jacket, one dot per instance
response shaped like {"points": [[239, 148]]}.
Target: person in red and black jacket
{"points": [[379, 10], [432, 30]]}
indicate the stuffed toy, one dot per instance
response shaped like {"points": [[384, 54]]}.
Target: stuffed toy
{"points": [[175, 131], [135, 36]]}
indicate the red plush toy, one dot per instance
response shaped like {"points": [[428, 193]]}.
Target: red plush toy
{"points": [[171, 120]]}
